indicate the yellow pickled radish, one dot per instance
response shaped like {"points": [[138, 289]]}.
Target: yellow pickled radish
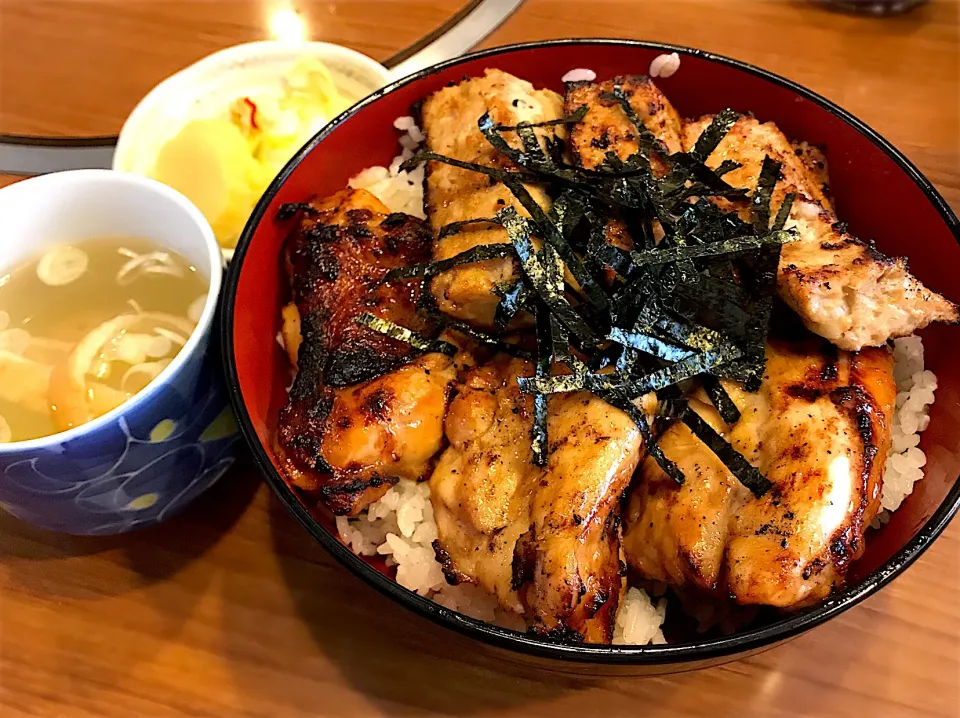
{"points": [[209, 162], [312, 79], [228, 226]]}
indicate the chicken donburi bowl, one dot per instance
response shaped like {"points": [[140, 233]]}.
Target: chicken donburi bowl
{"points": [[583, 367]]}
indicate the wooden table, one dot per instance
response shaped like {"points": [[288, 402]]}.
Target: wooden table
{"points": [[231, 609]]}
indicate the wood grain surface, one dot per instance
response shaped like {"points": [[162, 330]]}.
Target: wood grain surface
{"points": [[232, 610]]}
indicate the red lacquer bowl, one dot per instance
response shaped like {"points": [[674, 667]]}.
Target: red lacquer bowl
{"points": [[878, 192]]}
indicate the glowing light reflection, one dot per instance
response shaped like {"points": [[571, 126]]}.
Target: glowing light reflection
{"points": [[287, 25]]}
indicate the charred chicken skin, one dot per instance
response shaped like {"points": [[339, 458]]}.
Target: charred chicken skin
{"points": [[605, 127], [819, 429], [365, 410], [545, 541]]}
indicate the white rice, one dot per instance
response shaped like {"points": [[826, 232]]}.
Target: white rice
{"points": [[664, 65], [580, 74], [639, 620], [915, 394], [400, 191], [401, 526]]}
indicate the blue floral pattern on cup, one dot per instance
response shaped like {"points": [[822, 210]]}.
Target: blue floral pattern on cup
{"points": [[147, 464]]}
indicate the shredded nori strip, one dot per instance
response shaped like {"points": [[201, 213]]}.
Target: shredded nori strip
{"points": [[402, 334], [719, 289], [599, 383], [736, 245], [573, 118], [748, 371], [693, 298], [746, 473], [567, 383], [720, 398], [512, 299], [713, 135], [483, 337], [691, 335], [671, 407], [688, 168], [617, 259], [427, 306], [455, 227], [539, 441], [764, 267], [620, 400], [726, 167], [693, 301], [783, 214], [567, 211], [685, 369], [519, 231], [561, 348], [760, 205], [496, 173], [479, 253], [649, 344], [552, 268]]}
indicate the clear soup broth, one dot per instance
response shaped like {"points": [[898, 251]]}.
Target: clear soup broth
{"points": [[84, 327]]}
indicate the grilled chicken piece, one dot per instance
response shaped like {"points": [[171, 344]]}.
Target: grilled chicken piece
{"points": [[545, 541], [815, 162], [842, 287], [364, 409], [374, 433], [819, 429], [605, 127], [449, 119], [594, 450], [481, 486], [335, 260]]}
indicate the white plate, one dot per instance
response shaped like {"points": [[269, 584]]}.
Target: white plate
{"points": [[209, 86]]}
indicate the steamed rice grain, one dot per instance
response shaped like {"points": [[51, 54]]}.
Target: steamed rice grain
{"points": [[915, 395], [401, 191], [665, 65], [580, 74], [639, 620], [400, 526]]}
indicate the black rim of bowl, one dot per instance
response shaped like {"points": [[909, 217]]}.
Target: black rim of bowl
{"points": [[713, 648]]}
